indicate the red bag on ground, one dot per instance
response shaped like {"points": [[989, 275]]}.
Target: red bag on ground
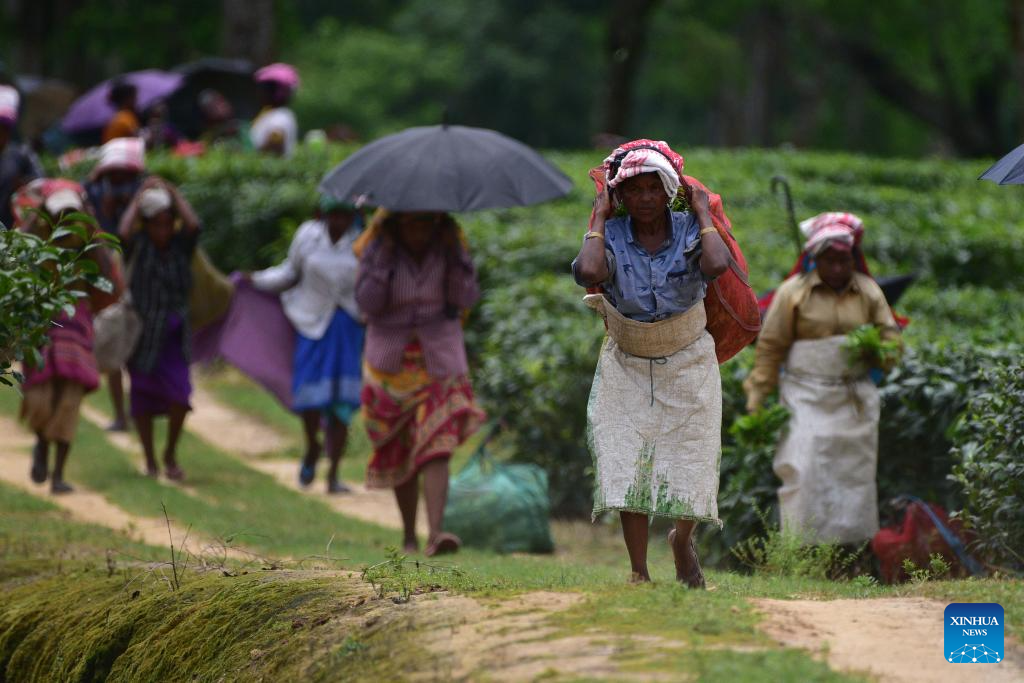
{"points": [[734, 319], [916, 538]]}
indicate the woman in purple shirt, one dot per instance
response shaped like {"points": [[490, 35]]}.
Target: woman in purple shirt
{"points": [[415, 279]]}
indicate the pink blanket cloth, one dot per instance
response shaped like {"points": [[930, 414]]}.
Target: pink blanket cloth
{"points": [[253, 336]]}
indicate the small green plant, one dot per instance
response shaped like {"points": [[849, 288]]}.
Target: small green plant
{"points": [[864, 581], [937, 568], [351, 646], [793, 553], [405, 578], [865, 345]]}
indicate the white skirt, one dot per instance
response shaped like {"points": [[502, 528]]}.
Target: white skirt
{"points": [[828, 457]]}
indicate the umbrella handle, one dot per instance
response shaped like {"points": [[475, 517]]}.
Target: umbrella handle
{"points": [[781, 182]]}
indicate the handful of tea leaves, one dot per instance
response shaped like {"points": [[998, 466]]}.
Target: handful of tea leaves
{"points": [[865, 345]]}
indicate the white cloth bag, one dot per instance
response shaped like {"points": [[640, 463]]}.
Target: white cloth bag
{"points": [[828, 457]]}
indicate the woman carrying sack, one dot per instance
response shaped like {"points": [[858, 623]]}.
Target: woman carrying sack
{"points": [[655, 411], [160, 231]]}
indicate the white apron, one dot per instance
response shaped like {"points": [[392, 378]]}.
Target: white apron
{"points": [[654, 423], [828, 457]]}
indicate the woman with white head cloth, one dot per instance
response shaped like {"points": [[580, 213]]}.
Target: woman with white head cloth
{"points": [[160, 231], [52, 392], [828, 456], [18, 165], [113, 182]]}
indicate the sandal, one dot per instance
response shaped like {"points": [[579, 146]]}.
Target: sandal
{"points": [[60, 487], [694, 578], [444, 544]]}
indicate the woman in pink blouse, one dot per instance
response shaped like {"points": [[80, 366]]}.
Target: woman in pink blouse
{"points": [[415, 280]]}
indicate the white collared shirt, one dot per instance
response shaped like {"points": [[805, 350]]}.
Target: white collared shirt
{"points": [[317, 277]]}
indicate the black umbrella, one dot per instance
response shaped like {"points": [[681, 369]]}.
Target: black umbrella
{"points": [[1007, 171], [446, 168], [232, 78]]}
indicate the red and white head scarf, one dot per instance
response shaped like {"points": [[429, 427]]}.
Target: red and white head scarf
{"points": [[638, 157], [832, 230]]}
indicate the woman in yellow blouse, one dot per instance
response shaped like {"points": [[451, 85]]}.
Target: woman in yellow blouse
{"points": [[827, 459]]}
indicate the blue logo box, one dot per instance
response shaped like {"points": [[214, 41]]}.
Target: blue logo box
{"points": [[973, 633]]}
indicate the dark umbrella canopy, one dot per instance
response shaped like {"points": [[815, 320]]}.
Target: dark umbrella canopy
{"points": [[446, 168], [1007, 171], [232, 78]]}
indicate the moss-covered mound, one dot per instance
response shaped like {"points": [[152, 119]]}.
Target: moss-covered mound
{"points": [[90, 624]]}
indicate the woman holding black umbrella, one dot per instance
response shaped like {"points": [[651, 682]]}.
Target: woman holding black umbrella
{"points": [[415, 279]]}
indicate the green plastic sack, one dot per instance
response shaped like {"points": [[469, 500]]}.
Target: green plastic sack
{"points": [[500, 506]]}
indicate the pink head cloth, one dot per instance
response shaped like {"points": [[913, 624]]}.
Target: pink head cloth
{"points": [[279, 72]]}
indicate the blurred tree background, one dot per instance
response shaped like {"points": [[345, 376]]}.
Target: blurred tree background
{"points": [[899, 77]]}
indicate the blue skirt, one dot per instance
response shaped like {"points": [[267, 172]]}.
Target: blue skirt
{"points": [[327, 372]]}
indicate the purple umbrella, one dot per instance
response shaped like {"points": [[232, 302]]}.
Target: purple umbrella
{"points": [[92, 110]]}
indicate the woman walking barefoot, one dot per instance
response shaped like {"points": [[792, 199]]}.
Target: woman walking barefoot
{"points": [[655, 411], [160, 232]]}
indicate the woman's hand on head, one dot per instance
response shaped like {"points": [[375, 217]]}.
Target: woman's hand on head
{"points": [[603, 203], [697, 198]]}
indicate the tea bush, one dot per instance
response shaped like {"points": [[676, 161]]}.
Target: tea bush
{"points": [[989, 464], [534, 345]]}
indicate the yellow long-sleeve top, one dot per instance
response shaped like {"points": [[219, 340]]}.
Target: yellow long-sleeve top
{"points": [[805, 307]]}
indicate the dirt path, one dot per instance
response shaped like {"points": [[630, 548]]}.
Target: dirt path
{"points": [[90, 507], [243, 436], [898, 639]]}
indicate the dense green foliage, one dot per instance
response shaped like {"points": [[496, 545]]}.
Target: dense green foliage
{"points": [[534, 345], [39, 280], [989, 464], [916, 77]]}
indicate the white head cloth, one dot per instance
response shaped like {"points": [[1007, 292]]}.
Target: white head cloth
{"points": [[640, 161]]}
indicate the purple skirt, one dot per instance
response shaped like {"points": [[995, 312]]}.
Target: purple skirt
{"points": [[153, 393]]}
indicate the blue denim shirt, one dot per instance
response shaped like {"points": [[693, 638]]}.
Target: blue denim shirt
{"points": [[648, 287]]}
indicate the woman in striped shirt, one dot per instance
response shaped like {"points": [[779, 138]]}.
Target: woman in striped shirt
{"points": [[415, 278]]}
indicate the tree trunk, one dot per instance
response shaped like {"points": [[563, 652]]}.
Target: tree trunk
{"points": [[967, 125], [627, 36], [1016, 17], [248, 30]]}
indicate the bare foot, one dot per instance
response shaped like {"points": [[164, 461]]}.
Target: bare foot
{"points": [[59, 486], [688, 569], [118, 425], [174, 473], [637, 577], [410, 547]]}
